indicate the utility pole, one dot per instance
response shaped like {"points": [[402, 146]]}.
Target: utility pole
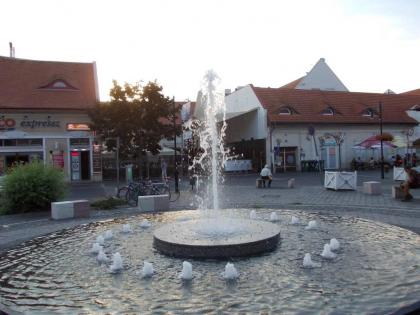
{"points": [[382, 141], [176, 175]]}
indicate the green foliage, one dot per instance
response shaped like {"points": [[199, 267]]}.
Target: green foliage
{"points": [[107, 204], [32, 187], [139, 116]]}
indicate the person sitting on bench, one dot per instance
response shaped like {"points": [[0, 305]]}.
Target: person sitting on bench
{"points": [[266, 175], [413, 182]]}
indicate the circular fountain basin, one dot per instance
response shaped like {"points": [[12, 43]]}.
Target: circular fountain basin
{"points": [[376, 271], [216, 239]]}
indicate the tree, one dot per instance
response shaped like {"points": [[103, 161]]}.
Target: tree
{"points": [[139, 116]]}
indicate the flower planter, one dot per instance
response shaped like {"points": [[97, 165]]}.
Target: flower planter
{"points": [[340, 180], [400, 174]]}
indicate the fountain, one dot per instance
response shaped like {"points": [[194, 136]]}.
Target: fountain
{"points": [[214, 235], [312, 225], [334, 244], [377, 273], [327, 253], [126, 228], [117, 263], [308, 263], [186, 273], [147, 270], [102, 258], [96, 248], [230, 272], [108, 235]]}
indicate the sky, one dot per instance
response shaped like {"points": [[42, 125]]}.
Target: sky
{"points": [[371, 45]]}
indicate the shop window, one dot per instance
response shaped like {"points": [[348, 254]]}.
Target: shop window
{"points": [[79, 141], [9, 142]]}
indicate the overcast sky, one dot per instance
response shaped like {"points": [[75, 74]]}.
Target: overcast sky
{"points": [[370, 45]]}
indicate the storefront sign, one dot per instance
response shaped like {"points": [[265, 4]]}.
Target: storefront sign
{"points": [[78, 127], [7, 124], [48, 123]]}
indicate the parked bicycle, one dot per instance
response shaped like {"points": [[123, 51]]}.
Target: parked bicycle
{"points": [[133, 190]]}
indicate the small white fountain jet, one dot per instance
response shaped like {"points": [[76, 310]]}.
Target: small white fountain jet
{"points": [[108, 235], [308, 263], [253, 215], [117, 263], [100, 240], [145, 224], [126, 228], [334, 244], [96, 248], [295, 220], [102, 257], [230, 272], [312, 225], [327, 253], [186, 273], [147, 270], [274, 217]]}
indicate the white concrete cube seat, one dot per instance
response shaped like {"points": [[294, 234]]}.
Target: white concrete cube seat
{"points": [[153, 203], [397, 192], [340, 180], [372, 188], [70, 209]]}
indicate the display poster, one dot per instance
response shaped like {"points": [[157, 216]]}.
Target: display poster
{"points": [[97, 159], [58, 159]]}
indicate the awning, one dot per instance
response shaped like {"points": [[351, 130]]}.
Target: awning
{"points": [[373, 143]]}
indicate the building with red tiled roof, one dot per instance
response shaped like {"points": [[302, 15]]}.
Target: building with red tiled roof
{"points": [[290, 127], [43, 115], [412, 92]]}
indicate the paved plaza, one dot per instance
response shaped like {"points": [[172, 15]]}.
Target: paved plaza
{"points": [[239, 191]]}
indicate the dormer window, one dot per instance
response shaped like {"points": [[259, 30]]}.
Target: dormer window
{"points": [[287, 110], [329, 111], [369, 112], [416, 108], [58, 84]]}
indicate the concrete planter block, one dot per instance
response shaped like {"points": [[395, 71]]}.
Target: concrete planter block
{"points": [[153, 203], [372, 188], [397, 192], [340, 180], [70, 209], [291, 183]]}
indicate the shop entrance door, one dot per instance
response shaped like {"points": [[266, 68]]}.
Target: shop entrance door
{"points": [[85, 165], [80, 165], [285, 158]]}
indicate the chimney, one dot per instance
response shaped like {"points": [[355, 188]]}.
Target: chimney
{"points": [[227, 92], [12, 50]]}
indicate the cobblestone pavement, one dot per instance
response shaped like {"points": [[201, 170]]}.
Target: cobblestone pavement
{"points": [[239, 191]]}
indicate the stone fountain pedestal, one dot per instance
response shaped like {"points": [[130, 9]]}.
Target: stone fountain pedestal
{"points": [[195, 238]]}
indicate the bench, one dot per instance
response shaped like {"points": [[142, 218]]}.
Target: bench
{"points": [[153, 203], [372, 188], [259, 182], [70, 209]]}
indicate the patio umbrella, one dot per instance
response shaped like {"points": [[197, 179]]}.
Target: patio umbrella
{"points": [[373, 143]]}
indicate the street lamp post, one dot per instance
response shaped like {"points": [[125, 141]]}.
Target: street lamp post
{"points": [[117, 140], [382, 141], [176, 177]]}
